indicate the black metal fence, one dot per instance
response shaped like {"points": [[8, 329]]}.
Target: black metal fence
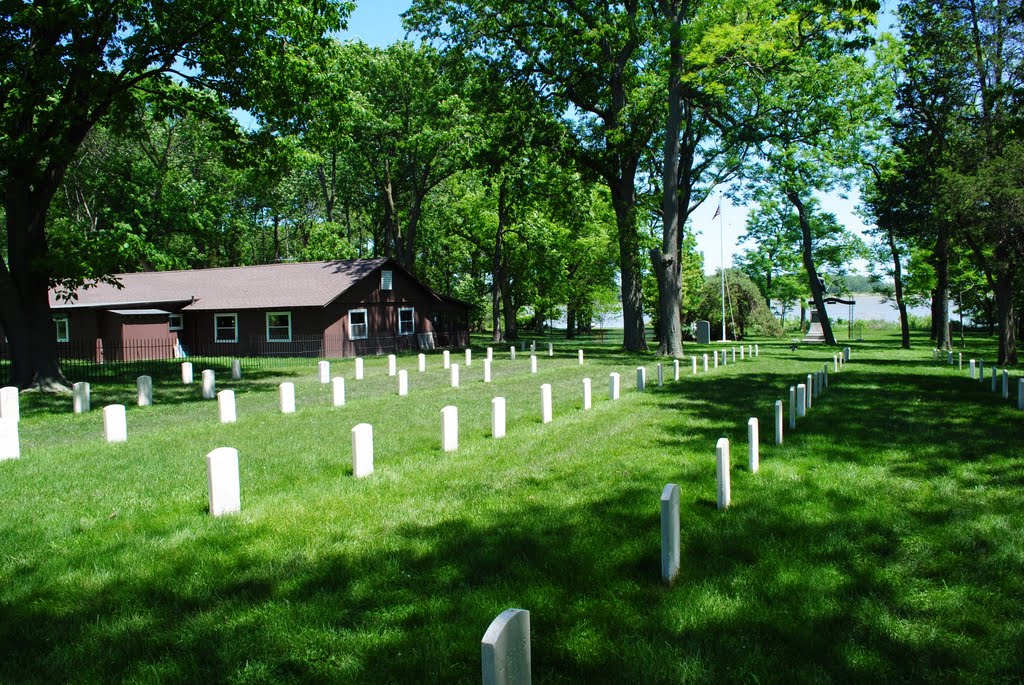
{"points": [[115, 360]]}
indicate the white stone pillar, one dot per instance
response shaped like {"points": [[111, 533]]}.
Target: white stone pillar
{"points": [[144, 390], [981, 370], [223, 482], [450, 429], [359, 368], [801, 400], [641, 378], [613, 386], [209, 384], [1006, 384], [286, 396], [669, 533], [722, 471], [533, 347], [835, 363], [469, 357], [705, 362], [757, 350], [533, 363], [734, 355], [753, 445], [422, 360], [551, 349], [972, 367], [115, 423], [186, 373], [587, 394], [498, 417], [487, 371], [338, 391], [960, 361], [490, 354], [512, 353], [545, 403], [778, 422], [392, 365], [446, 359], [505, 649], [82, 400], [694, 365], [454, 370], [10, 444], [362, 450], [792, 407], [675, 370], [949, 357], [236, 369], [716, 358], [809, 395], [403, 383], [579, 356], [324, 371], [742, 351], [226, 406]]}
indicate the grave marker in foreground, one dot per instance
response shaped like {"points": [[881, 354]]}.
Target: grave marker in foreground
{"points": [[498, 417], [82, 401], [722, 472], [338, 391], [754, 447], [362, 450], [286, 392], [613, 386], [226, 406], [209, 384], [669, 533], [144, 388], [223, 482], [449, 429], [505, 649], [10, 446], [115, 424], [186, 373]]}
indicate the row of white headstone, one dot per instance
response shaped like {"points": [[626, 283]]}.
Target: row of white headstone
{"points": [[10, 418], [976, 369]]}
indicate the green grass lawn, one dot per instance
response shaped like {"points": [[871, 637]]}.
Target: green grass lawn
{"points": [[883, 542]]}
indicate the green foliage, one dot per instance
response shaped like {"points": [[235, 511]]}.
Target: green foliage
{"points": [[745, 310]]}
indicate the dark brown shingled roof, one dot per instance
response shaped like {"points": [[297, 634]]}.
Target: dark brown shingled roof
{"points": [[290, 284]]}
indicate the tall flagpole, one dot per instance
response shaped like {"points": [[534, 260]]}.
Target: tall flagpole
{"points": [[721, 239]]}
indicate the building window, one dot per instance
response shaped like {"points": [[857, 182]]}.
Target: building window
{"points": [[63, 330], [406, 320], [225, 328], [279, 326], [357, 325], [175, 322], [385, 280]]}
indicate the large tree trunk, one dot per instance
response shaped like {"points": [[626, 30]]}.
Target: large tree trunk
{"points": [[1007, 320], [497, 276], [940, 316], [24, 287], [624, 202], [812, 273], [897, 277], [570, 322]]}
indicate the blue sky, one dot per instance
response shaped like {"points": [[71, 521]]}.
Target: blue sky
{"points": [[377, 22]]}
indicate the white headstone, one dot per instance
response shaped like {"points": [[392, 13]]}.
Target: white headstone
{"points": [[512, 353], [498, 417], [392, 365], [490, 354], [403, 383], [469, 357], [725, 357], [533, 363], [661, 375], [801, 400], [82, 400], [487, 371], [613, 386], [641, 378], [846, 354], [226, 406], [236, 369], [359, 368], [186, 373], [362, 450], [973, 365], [809, 395], [750, 351], [144, 388], [505, 649], [1006, 384], [10, 446], [778, 422], [209, 384], [287, 397], [734, 355], [533, 346], [587, 394], [705, 362], [222, 480], [454, 370], [792, 407], [675, 373], [694, 365], [579, 355], [835, 363], [551, 349], [742, 352], [981, 370], [960, 361], [338, 391], [450, 429], [422, 359], [115, 423], [9, 403], [669, 533], [949, 357], [545, 403], [722, 471], [446, 359], [753, 445], [324, 371]]}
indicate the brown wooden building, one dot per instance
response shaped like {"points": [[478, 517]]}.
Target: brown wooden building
{"points": [[319, 309]]}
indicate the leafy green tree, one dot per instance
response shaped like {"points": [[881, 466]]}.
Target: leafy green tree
{"points": [[70, 64], [745, 308]]}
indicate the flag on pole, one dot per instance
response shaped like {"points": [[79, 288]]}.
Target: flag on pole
{"points": [[718, 211]]}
